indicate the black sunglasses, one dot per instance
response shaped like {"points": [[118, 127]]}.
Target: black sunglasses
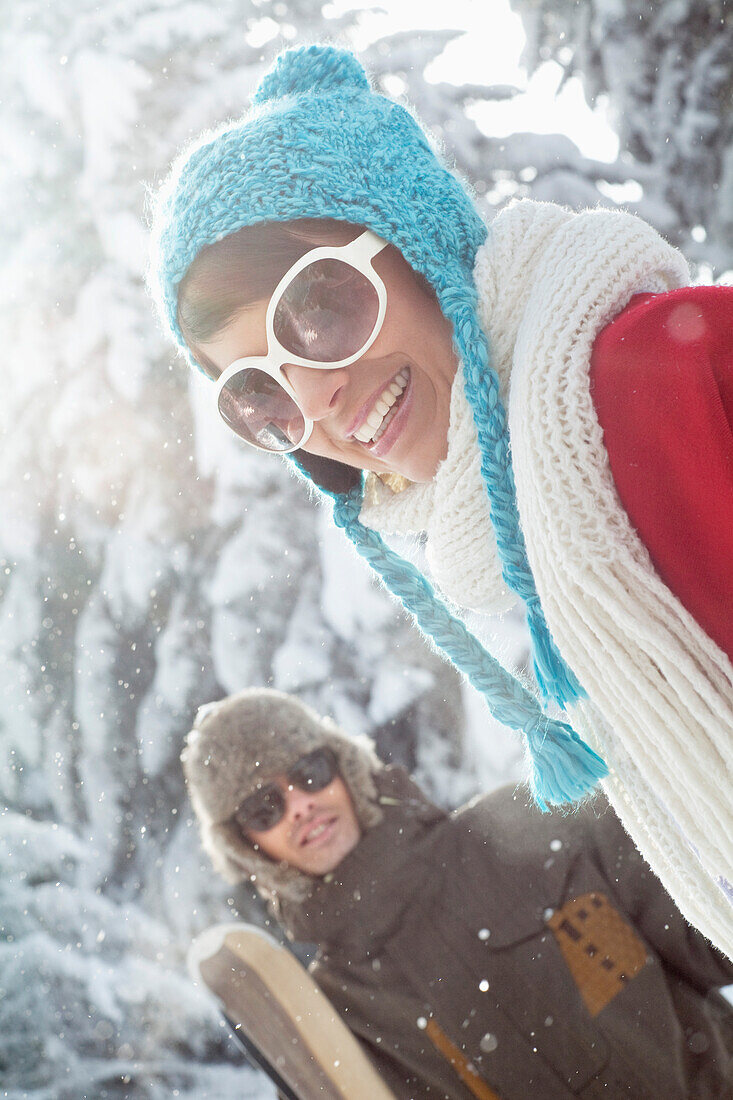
{"points": [[265, 808]]}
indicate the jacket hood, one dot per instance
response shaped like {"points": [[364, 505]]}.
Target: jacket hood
{"points": [[242, 741]]}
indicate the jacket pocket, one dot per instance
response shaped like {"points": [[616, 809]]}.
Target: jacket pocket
{"points": [[602, 951]]}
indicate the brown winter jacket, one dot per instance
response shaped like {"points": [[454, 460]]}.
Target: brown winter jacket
{"points": [[501, 953]]}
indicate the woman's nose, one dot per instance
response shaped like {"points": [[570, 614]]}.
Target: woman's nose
{"points": [[316, 390], [299, 803]]}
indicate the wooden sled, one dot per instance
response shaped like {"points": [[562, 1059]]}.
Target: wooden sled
{"points": [[285, 1023]]}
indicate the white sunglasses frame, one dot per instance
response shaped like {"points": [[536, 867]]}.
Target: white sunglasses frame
{"points": [[359, 254]]}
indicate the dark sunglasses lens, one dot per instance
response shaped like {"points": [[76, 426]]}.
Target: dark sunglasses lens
{"points": [[262, 810], [258, 409], [327, 313], [314, 771]]}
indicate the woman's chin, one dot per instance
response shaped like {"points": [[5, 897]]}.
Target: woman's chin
{"points": [[414, 467], [412, 459]]}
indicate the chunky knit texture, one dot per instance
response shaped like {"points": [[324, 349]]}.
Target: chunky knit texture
{"points": [[453, 510], [319, 143], [561, 763], [664, 687], [313, 142], [661, 692]]}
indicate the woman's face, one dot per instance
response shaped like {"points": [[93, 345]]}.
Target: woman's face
{"points": [[413, 353], [317, 830]]}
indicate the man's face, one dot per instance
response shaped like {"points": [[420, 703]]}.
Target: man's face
{"points": [[317, 830]]}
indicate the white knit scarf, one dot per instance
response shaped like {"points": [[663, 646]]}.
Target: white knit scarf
{"points": [[660, 706]]}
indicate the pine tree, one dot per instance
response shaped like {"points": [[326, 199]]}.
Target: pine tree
{"points": [[148, 563], [666, 72]]}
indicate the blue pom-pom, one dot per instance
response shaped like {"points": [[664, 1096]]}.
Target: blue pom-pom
{"points": [[311, 69]]}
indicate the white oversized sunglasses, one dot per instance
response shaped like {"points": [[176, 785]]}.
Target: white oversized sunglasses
{"points": [[325, 313]]}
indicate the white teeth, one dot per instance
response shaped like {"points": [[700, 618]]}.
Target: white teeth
{"points": [[316, 832], [379, 417]]}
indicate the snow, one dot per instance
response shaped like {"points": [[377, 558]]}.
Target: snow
{"points": [[148, 563]]}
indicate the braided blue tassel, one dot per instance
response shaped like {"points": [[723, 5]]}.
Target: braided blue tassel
{"points": [[564, 768], [555, 678]]}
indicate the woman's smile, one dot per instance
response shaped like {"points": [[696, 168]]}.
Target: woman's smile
{"points": [[390, 427], [319, 832], [372, 423]]}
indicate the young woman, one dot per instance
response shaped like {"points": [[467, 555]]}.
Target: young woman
{"points": [[390, 334]]}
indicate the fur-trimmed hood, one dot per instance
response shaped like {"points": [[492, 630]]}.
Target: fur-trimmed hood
{"points": [[244, 740]]}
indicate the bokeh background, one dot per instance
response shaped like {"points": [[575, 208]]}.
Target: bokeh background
{"points": [[148, 564]]}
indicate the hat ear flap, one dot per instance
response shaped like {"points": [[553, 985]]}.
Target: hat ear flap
{"points": [[328, 474], [311, 69], [231, 855]]}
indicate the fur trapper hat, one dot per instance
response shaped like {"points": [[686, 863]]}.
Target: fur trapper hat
{"points": [[243, 741]]}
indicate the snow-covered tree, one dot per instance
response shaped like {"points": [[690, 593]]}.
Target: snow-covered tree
{"points": [[148, 563], [665, 69]]}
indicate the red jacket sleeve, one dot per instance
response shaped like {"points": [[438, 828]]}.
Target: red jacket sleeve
{"points": [[662, 385]]}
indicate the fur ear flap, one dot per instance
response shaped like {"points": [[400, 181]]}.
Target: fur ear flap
{"points": [[311, 69], [229, 852]]}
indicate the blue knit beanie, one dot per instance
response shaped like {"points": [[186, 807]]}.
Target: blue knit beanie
{"points": [[318, 143]]}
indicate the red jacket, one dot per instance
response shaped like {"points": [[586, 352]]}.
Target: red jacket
{"points": [[662, 384]]}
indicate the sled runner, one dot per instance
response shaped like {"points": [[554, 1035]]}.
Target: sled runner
{"points": [[285, 1023]]}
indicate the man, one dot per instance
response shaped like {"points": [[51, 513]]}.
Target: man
{"points": [[492, 952]]}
